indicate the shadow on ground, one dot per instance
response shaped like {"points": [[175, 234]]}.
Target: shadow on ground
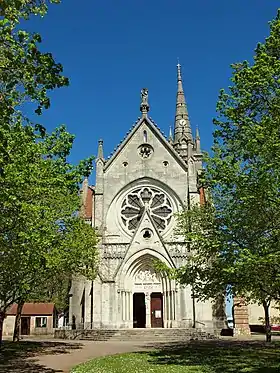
{"points": [[17, 357], [221, 356]]}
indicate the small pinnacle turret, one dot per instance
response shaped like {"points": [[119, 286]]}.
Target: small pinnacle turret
{"points": [[100, 154], [197, 135], [170, 137], [197, 141], [85, 185], [182, 121]]}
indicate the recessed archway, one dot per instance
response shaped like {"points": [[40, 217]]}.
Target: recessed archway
{"points": [[146, 292]]}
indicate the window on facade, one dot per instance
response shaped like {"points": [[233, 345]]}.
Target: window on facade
{"points": [[157, 203], [41, 322], [145, 136]]}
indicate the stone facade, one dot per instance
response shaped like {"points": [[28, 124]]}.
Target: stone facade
{"points": [[137, 193]]}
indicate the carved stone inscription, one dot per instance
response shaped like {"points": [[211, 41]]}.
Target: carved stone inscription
{"points": [[147, 280]]}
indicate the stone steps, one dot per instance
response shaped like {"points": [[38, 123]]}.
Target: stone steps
{"points": [[147, 335]]}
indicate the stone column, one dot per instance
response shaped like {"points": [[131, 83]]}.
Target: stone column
{"points": [[188, 305], [148, 309], [88, 295], [123, 305], [128, 306], [241, 317], [183, 310], [164, 307], [174, 305], [178, 306], [171, 308], [167, 309], [175, 312], [131, 310], [119, 308], [70, 309], [164, 310], [97, 304]]}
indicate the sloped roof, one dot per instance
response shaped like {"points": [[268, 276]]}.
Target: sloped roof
{"points": [[31, 309], [202, 198], [89, 202], [153, 126]]}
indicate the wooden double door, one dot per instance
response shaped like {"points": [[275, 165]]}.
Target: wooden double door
{"points": [[139, 310], [156, 310]]}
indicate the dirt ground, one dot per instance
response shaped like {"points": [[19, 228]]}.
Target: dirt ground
{"points": [[52, 356]]}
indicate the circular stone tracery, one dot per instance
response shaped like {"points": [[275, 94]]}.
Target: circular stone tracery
{"points": [[157, 203]]}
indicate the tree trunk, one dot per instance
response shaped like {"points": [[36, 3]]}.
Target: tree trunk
{"points": [[267, 321], [2, 316], [17, 321], [194, 313]]}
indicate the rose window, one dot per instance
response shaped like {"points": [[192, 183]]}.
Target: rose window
{"points": [[152, 199]]}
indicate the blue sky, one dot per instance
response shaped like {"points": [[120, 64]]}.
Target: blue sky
{"points": [[111, 49]]}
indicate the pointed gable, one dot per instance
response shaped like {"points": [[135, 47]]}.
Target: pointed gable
{"points": [[146, 235], [146, 121]]}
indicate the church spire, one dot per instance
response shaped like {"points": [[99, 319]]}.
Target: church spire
{"points": [[182, 121]]}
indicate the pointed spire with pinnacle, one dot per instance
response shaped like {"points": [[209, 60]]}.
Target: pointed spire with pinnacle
{"points": [[197, 140], [182, 121], [100, 150]]}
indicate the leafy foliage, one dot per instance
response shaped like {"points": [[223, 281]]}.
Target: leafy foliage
{"points": [[235, 239], [42, 237], [15, 10], [41, 230]]}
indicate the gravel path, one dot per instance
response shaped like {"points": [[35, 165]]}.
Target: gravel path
{"points": [[87, 351]]}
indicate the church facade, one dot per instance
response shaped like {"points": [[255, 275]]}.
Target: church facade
{"points": [[133, 206]]}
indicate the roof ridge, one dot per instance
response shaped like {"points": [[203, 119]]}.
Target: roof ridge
{"points": [[123, 139], [157, 130], [116, 148], [158, 127]]}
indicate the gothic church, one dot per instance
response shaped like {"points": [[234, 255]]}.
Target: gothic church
{"points": [[132, 205]]}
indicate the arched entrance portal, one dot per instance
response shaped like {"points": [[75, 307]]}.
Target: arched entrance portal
{"points": [[147, 295], [147, 299]]}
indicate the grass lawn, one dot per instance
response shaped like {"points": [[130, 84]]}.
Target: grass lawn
{"points": [[196, 357]]}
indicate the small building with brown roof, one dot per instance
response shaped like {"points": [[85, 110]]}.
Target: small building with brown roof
{"points": [[36, 319]]}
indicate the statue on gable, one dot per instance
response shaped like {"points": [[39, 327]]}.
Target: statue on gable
{"points": [[144, 107], [144, 96]]}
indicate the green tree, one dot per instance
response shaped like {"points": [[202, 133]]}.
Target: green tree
{"points": [[235, 238], [47, 235], [41, 233]]}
